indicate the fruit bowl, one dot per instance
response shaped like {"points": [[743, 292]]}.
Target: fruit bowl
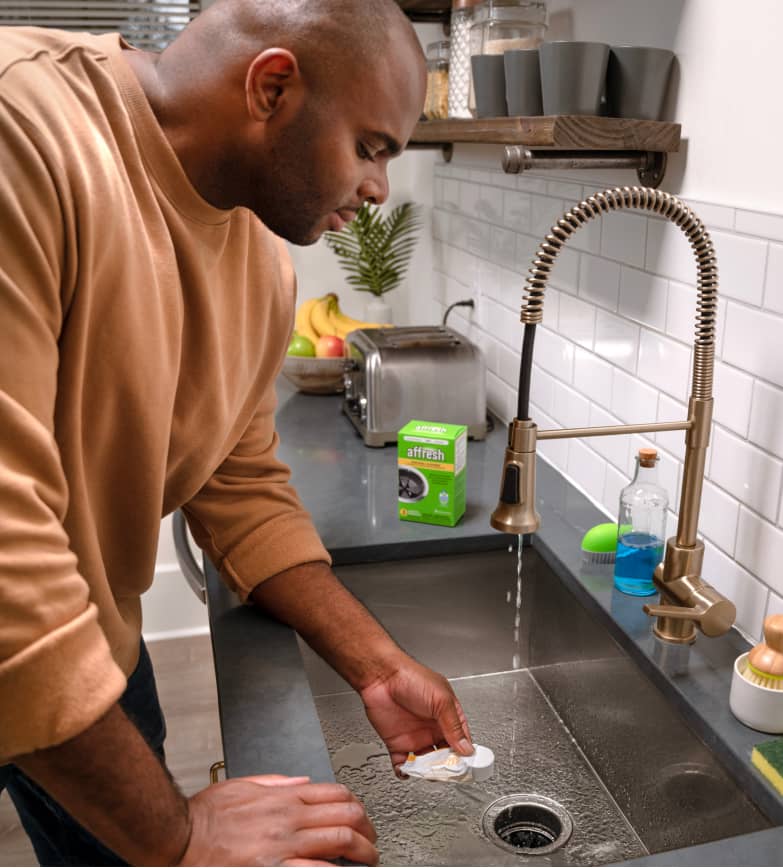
{"points": [[315, 376]]}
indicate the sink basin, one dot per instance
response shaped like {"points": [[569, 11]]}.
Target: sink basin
{"points": [[593, 763]]}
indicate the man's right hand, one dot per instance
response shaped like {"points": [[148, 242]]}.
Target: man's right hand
{"points": [[275, 820]]}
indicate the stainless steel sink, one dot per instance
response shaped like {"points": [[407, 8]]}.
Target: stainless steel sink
{"points": [[571, 718]]}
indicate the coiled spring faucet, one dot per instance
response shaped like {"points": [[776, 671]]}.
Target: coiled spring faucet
{"points": [[686, 600]]}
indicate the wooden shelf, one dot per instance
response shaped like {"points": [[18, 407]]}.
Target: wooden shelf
{"points": [[563, 132]]}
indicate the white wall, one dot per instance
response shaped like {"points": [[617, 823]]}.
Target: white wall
{"points": [[618, 325]]}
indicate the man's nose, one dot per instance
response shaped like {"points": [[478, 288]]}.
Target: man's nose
{"points": [[375, 187]]}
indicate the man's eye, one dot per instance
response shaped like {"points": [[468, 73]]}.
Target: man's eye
{"points": [[363, 152]]}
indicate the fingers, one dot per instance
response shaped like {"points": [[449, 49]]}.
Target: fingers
{"points": [[350, 814], [334, 842], [276, 780], [297, 862], [454, 726]]}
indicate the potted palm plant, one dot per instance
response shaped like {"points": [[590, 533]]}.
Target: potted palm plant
{"points": [[375, 251]]}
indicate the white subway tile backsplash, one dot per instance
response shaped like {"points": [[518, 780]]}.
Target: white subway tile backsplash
{"points": [[747, 593], [766, 418], [516, 210], [577, 320], [733, 390], [754, 342], [599, 281], [542, 388], [713, 216], [499, 322], [489, 204], [587, 469], [503, 247], [616, 340], [572, 193], [741, 265], [508, 366], [681, 312], [773, 292], [457, 231], [592, 376], [671, 411], [669, 253], [615, 448], [569, 408], [752, 476], [760, 549], [544, 212], [526, 252], [718, 517], [489, 280], [551, 312], [565, 274], [664, 363], [757, 223], [501, 398], [624, 238], [774, 607], [477, 237], [440, 224], [588, 237], [555, 354], [614, 483], [555, 451], [450, 200], [643, 297], [632, 401], [530, 184]]}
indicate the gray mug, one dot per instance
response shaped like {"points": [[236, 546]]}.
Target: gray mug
{"points": [[573, 77], [523, 82], [489, 85], [636, 81]]}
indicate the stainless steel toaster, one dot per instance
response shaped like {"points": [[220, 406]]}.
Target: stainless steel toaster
{"points": [[413, 372]]}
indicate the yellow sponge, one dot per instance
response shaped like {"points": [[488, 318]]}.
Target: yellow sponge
{"points": [[768, 759]]}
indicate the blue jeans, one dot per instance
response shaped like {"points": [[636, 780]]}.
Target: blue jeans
{"points": [[56, 837]]}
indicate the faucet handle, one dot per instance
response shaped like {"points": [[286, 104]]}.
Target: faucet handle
{"points": [[708, 608]]}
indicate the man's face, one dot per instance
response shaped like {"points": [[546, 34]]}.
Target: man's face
{"points": [[320, 169]]}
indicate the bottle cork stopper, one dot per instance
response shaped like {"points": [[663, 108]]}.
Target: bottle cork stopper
{"points": [[648, 457]]}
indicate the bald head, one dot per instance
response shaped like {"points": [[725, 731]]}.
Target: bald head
{"points": [[331, 39], [291, 108]]}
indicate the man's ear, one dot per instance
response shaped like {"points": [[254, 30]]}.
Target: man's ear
{"points": [[272, 77]]}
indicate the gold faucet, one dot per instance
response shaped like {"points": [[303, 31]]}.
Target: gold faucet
{"points": [[686, 600]]}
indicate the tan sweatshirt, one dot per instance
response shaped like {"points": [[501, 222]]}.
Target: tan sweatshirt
{"points": [[141, 331]]}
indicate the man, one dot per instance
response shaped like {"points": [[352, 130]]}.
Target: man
{"points": [[145, 309]]}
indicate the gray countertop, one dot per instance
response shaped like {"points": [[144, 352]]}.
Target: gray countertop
{"points": [[268, 716]]}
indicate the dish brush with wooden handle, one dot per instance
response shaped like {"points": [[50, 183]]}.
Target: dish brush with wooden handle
{"points": [[765, 661]]}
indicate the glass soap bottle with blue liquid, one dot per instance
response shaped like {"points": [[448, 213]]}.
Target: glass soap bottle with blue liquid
{"points": [[641, 528]]}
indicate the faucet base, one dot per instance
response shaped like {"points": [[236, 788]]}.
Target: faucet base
{"points": [[674, 631]]}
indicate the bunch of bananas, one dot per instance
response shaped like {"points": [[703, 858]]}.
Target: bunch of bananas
{"points": [[322, 317]]}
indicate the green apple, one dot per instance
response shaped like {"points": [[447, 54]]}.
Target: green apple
{"points": [[300, 346]]}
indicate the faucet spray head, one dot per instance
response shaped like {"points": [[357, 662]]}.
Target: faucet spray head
{"points": [[515, 512]]}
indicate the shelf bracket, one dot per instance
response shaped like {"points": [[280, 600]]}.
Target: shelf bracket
{"points": [[446, 148], [650, 165]]}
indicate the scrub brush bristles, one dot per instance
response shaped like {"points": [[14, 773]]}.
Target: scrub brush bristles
{"points": [[765, 662]]}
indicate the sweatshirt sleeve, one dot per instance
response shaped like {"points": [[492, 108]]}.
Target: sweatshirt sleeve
{"points": [[57, 675], [248, 517]]}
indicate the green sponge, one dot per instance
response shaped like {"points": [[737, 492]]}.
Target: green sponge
{"points": [[599, 544], [768, 759]]}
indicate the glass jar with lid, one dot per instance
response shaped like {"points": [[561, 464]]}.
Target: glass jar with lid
{"points": [[505, 25], [436, 102]]}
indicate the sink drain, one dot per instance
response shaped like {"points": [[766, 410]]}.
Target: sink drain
{"points": [[527, 824]]}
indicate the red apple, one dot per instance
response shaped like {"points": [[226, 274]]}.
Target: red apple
{"points": [[329, 346]]}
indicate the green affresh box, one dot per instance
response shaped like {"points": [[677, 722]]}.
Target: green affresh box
{"points": [[431, 469]]}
